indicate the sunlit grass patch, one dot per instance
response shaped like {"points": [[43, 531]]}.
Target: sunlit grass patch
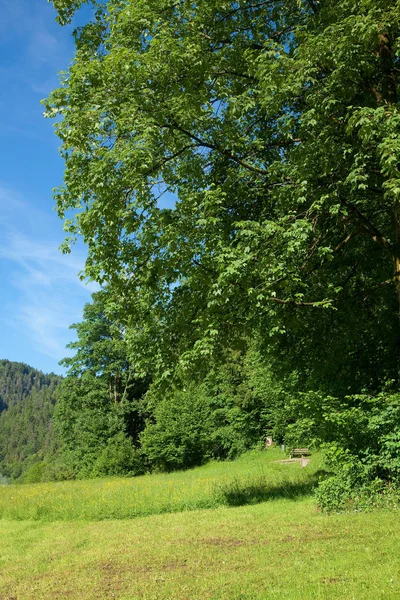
{"points": [[255, 477], [261, 538], [281, 550]]}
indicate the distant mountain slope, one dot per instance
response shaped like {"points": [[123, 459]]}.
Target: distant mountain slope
{"points": [[27, 400], [17, 380]]}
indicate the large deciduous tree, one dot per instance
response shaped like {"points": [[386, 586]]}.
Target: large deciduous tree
{"points": [[275, 124]]}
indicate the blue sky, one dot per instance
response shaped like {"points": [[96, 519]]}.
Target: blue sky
{"points": [[40, 292]]}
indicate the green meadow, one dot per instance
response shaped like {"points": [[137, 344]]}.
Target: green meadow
{"points": [[248, 529], [254, 477]]}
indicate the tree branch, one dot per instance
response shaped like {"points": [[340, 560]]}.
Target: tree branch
{"points": [[295, 303], [215, 147], [346, 240], [370, 228], [167, 159], [313, 5], [242, 8]]}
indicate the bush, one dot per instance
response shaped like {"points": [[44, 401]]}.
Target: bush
{"points": [[181, 436], [4, 480], [336, 494], [58, 470], [119, 457], [360, 435], [34, 474]]}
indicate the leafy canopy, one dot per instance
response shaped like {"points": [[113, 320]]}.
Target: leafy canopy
{"points": [[276, 127]]}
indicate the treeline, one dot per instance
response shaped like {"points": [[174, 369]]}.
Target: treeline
{"points": [[104, 419], [18, 380], [111, 420]]}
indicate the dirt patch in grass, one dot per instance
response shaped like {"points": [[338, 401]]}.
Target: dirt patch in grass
{"points": [[114, 569], [174, 565], [333, 580], [309, 537], [289, 539], [223, 542], [232, 542]]}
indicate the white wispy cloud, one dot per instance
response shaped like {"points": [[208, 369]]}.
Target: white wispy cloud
{"points": [[47, 293], [40, 290]]}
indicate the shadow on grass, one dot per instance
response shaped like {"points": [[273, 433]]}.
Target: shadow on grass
{"points": [[240, 493]]}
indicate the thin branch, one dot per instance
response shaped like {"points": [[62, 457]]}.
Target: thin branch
{"points": [[223, 151], [167, 159], [278, 34], [387, 282], [236, 74], [346, 240], [295, 303], [313, 5], [370, 228], [241, 8]]}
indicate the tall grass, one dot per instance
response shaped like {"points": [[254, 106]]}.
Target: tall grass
{"points": [[255, 477]]}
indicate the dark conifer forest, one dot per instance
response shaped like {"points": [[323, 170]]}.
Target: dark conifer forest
{"points": [[27, 399]]}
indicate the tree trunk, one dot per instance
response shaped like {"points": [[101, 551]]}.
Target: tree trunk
{"points": [[396, 254], [388, 95], [116, 389]]}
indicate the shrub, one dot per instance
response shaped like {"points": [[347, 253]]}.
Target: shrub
{"points": [[58, 470], [181, 436], [34, 473], [119, 457], [360, 435]]}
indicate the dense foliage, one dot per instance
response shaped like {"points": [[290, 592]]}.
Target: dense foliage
{"points": [[99, 414], [103, 420], [361, 438], [230, 411], [275, 127], [109, 421], [275, 124]]}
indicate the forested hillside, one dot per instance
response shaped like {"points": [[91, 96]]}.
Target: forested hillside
{"points": [[26, 429], [18, 380]]}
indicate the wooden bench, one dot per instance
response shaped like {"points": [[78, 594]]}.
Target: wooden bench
{"points": [[299, 452]]}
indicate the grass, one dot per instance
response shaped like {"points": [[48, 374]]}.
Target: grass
{"points": [[253, 478], [279, 549]]}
